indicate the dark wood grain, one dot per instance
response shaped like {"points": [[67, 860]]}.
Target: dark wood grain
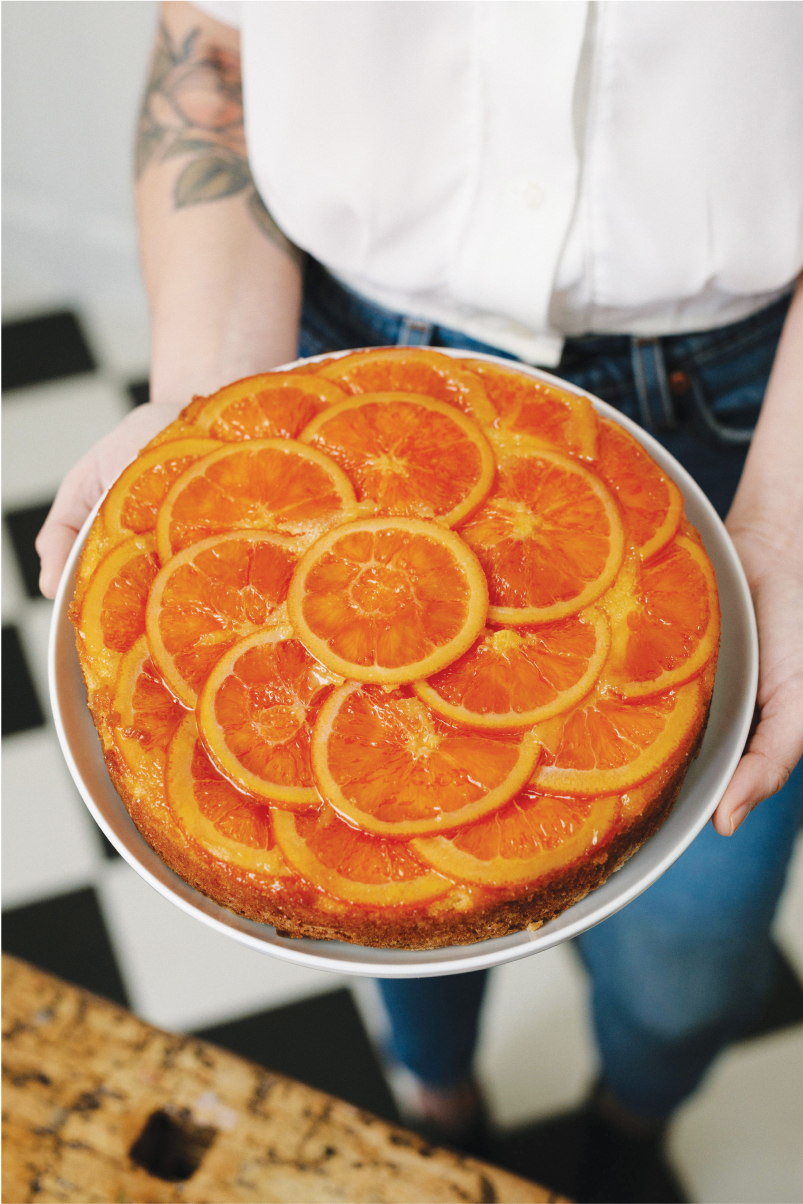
{"points": [[83, 1077]]}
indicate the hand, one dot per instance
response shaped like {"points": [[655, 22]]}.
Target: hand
{"points": [[89, 480], [774, 571]]}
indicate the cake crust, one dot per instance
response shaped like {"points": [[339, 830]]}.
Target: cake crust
{"points": [[466, 915]]}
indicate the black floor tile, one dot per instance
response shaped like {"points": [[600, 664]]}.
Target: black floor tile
{"points": [[320, 1042], [784, 1007], [66, 935], [23, 527], [139, 391], [548, 1152], [585, 1159], [21, 707], [44, 348], [108, 849]]}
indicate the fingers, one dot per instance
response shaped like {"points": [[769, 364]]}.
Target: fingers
{"points": [[771, 756], [77, 494], [756, 778], [53, 545], [87, 481]]}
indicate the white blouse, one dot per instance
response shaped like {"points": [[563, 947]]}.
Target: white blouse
{"points": [[526, 170]]}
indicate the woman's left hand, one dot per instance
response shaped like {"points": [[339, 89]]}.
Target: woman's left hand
{"points": [[774, 568]]}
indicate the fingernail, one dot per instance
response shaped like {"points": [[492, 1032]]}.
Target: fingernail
{"points": [[738, 816]]}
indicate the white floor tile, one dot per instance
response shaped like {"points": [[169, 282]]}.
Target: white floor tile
{"points": [[35, 633], [789, 921], [741, 1138], [118, 329], [535, 1055], [13, 586], [49, 845], [368, 1003], [181, 974], [47, 428]]}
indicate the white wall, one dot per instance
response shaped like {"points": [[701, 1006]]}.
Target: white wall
{"points": [[73, 74]]}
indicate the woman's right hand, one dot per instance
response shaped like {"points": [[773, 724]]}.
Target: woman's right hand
{"points": [[88, 480]]}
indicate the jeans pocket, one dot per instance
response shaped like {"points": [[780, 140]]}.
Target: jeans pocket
{"points": [[719, 421], [728, 378]]}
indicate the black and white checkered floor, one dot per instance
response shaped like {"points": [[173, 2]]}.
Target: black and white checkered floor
{"points": [[72, 906]]}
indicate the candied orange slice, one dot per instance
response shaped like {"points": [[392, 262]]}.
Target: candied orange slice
{"points": [[388, 599], [530, 837], [549, 538], [408, 454], [607, 744], [133, 502], [255, 714], [210, 596], [355, 866], [145, 715], [232, 827], [665, 621], [513, 678], [388, 765], [652, 504], [96, 545], [264, 484], [533, 412], [412, 370], [272, 405], [113, 609]]}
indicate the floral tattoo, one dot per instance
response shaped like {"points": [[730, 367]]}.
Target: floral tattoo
{"points": [[193, 107]]}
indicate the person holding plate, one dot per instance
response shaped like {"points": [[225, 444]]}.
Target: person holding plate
{"points": [[610, 191]]}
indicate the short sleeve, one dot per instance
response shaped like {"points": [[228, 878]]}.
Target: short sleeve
{"points": [[228, 12]]}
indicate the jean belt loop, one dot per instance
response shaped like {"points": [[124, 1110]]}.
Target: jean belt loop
{"points": [[415, 332], [652, 388]]}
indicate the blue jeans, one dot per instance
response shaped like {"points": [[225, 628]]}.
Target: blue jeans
{"points": [[683, 969]]}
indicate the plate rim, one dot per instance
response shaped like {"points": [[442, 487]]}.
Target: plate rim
{"points": [[344, 959]]}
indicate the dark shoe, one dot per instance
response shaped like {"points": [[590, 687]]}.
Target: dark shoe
{"points": [[455, 1117], [623, 1167], [474, 1139]]}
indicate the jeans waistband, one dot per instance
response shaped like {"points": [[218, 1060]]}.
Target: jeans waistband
{"points": [[346, 319]]}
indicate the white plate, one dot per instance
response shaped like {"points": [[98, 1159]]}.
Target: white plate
{"points": [[728, 726]]}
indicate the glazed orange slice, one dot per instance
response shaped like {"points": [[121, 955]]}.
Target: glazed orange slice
{"points": [[230, 826], [353, 865], [389, 766], [531, 837], [513, 678], [182, 427], [113, 609], [665, 621], [264, 484], [534, 412], [652, 504], [133, 502], [145, 715], [607, 744], [412, 370], [388, 599], [96, 545], [210, 596], [272, 405], [255, 714], [410, 455], [549, 538]]}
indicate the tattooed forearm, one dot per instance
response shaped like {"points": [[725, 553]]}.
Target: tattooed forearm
{"points": [[193, 108]]}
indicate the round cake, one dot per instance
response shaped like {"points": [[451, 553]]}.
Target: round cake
{"points": [[396, 648]]}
